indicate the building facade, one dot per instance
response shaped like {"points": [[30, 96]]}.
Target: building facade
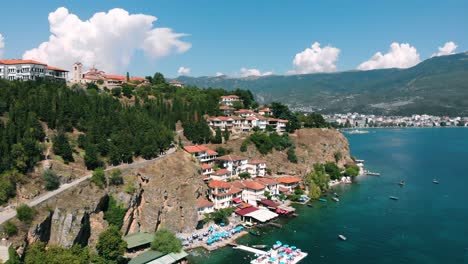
{"points": [[30, 70]]}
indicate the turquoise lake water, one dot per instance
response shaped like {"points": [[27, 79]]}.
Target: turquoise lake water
{"points": [[428, 224]]}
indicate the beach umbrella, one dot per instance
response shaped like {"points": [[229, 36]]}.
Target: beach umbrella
{"points": [[278, 242], [286, 246], [272, 259], [293, 247]]}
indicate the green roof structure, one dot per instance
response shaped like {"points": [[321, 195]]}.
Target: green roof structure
{"points": [[156, 257], [138, 239]]}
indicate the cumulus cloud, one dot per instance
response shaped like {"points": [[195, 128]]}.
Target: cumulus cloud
{"points": [[399, 56], [244, 72], [315, 59], [2, 45], [447, 49], [183, 71], [106, 40], [219, 74]]}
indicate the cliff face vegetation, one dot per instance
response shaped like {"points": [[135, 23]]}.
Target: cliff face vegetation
{"points": [[165, 195], [313, 145]]}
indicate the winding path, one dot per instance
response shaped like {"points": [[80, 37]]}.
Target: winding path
{"points": [[9, 213]]}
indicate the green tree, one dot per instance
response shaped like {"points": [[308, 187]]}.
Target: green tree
{"points": [[314, 191], [62, 148], [292, 155], [91, 157], [25, 213], [51, 180], [333, 170], [158, 79], [99, 178], [243, 147], [117, 91], [110, 245], [14, 258], [7, 189], [351, 170], [226, 135], [218, 139], [115, 177], [10, 228], [237, 105], [244, 175], [115, 213], [166, 242], [127, 90]]}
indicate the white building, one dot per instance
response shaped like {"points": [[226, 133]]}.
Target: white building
{"points": [[202, 153], [233, 163], [222, 193], [256, 168], [30, 70], [204, 206], [230, 99]]}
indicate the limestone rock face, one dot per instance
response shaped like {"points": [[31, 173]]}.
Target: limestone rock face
{"points": [[167, 196], [69, 227]]}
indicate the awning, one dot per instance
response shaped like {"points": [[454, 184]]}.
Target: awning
{"points": [[237, 200], [262, 215]]}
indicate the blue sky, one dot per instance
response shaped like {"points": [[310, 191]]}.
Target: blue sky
{"points": [[226, 36]]}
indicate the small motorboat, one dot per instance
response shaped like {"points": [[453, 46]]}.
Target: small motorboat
{"points": [[336, 199], [259, 246], [394, 198], [342, 237], [310, 205], [402, 183], [435, 181], [336, 195], [323, 200]]}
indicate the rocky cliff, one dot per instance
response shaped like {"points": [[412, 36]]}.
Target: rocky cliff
{"points": [[166, 192]]}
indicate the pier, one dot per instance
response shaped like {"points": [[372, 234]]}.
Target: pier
{"points": [[248, 249]]}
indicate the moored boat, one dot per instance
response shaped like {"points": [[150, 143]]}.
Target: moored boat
{"points": [[394, 198], [402, 183], [322, 200], [259, 246], [435, 181], [336, 199], [342, 237]]}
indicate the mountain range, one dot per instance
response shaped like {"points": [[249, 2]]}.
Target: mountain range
{"points": [[437, 86]]}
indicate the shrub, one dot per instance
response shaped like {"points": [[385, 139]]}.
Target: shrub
{"points": [[25, 213], [292, 155], [110, 245], [244, 175], [166, 242], [332, 170], [115, 213], [99, 178], [223, 151], [51, 180], [10, 228], [243, 147], [352, 170], [116, 178]]}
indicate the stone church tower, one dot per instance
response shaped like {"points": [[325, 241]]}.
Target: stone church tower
{"points": [[77, 72]]}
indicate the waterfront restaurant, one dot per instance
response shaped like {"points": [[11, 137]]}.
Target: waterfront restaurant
{"points": [[252, 213]]}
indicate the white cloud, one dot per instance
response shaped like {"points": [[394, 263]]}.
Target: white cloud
{"points": [[244, 72], [107, 40], [315, 59], [219, 74], [183, 71], [399, 56], [2, 45], [447, 49]]}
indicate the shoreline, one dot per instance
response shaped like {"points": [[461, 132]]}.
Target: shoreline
{"points": [[219, 245]]}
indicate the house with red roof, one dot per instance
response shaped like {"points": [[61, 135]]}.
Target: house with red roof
{"points": [[271, 185], [288, 183], [256, 168], [252, 191], [202, 153], [222, 193], [30, 70], [220, 175], [229, 100], [265, 111], [227, 110], [233, 163], [93, 75], [204, 206], [207, 169]]}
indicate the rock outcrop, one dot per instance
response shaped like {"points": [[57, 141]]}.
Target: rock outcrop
{"points": [[166, 196]]}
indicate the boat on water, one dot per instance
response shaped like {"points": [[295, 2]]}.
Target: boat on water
{"points": [[435, 181], [322, 200], [357, 131], [370, 173], [259, 246], [394, 198], [342, 237], [402, 183], [336, 199], [310, 205], [336, 195]]}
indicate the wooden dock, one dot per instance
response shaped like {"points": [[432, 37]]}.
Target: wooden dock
{"points": [[250, 249]]}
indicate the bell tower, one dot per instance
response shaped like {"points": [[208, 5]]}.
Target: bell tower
{"points": [[77, 72]]}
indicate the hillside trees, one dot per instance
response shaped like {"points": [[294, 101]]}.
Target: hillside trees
{"points": [[62, 148]]}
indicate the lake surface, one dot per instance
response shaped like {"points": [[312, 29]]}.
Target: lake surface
{"points": [[428, 224]]}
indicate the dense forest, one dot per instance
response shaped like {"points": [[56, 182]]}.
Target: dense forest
{"points": [[112, 128]]}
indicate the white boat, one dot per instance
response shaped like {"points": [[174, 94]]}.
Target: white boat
{"points": [[336, 199], [357, 131], [435, 181], [372, 173], [342, 237], [394, 198]]}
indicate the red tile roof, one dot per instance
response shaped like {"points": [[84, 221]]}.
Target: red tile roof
{"points": [[11, 62], [288, 179], [116, 77], [203, 203], [56, 69], [254, 161], [195, 148], [206, 166], [253, 185], [266, 181], [211, 152], [231, 158], [221, 172], [269, 203], [218, 184], [230, 96], [225, 107], [139, 79], [246, 211]]}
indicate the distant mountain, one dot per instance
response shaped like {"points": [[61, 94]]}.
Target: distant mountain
{"points": [[437, 85]]}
